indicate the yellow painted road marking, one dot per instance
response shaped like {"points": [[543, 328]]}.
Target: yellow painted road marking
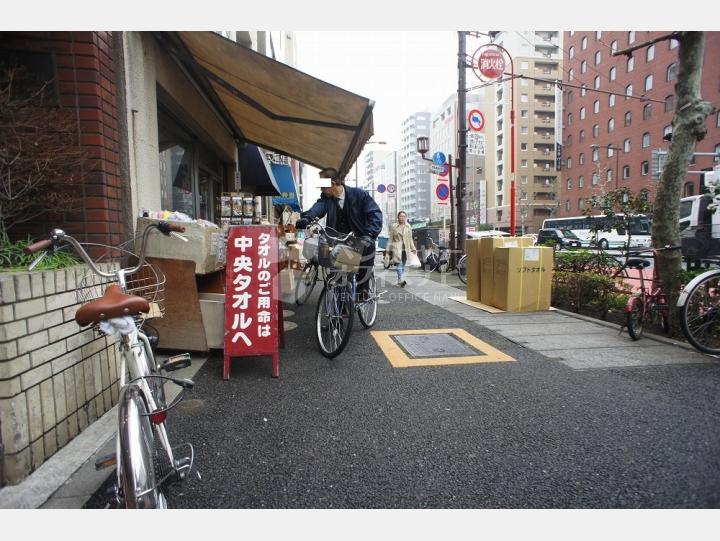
{"points": [[399, 359]]}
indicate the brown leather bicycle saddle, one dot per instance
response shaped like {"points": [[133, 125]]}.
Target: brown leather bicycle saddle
{"points": [[114, 303]]}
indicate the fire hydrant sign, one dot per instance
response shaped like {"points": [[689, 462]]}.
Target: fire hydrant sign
{"points": [[251, 295]]}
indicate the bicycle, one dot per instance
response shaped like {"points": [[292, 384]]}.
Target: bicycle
{"points": [[308, 276], [461, 269], [146, 464], [340, 258], [439, 261], [699, 311], [650, 303]]}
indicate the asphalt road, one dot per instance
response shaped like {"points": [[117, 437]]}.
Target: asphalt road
{"points": [[354, 432]]}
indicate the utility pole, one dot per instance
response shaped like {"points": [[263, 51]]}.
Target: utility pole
{"points": [[462, 146]]}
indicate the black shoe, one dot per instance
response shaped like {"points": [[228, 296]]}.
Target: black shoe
{"points": [[403, 283]]}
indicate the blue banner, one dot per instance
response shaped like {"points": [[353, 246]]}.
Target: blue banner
{"points": [[286, 186]]}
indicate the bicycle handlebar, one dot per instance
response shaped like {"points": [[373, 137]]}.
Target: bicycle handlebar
{"points": [[37, 246], [315, 223]]}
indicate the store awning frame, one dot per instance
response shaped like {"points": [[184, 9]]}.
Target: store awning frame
{"points": [[273, 105]]}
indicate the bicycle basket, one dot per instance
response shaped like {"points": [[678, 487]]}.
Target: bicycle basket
{"points": [[310, 249], [346, 257]]}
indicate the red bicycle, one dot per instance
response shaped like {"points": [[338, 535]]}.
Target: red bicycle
{"points": [[650, 302]]}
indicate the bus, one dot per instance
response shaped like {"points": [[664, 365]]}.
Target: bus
{"points": [[699, 227], [599, 230]]}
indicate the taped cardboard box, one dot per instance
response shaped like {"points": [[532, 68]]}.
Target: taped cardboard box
{"points": [[205, 246], [472, 269], [487, 264], [522, 278]]}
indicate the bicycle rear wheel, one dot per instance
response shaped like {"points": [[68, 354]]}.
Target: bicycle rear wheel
{"points": [[700, 315], [306, 283], [367, 310], [137, 454], [634, 319], [334, 319], [462, 270]]}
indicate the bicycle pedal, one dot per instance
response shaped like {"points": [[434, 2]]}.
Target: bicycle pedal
{"points": [[176, 362], [105, 461]]}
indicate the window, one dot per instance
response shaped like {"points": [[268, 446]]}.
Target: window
{"points": [[571, 52], [595, 178], [596, 130], [571, 74], [569, 96], [626, 172], [583, 66], [597, 81], [613, 46], [570, 119], [648, 82], [673, 43], [583, 90], [646, 140], [609, 175], [628, 119], [523, 65], [523, 179], [666, 130], [523, 146], [717, 120], [596, 106], [631, 37], [650, 53], [610, 152], [598, 35], [611, 100], [613, 73], [569, 184], [569, 140], [647, 111], [569, 163], [582, 113], [598, 57], [581, 159], [670, 103], [581, 136], [628, 90], [581, 181], [630, 64], [626, 145], [644, 168], [523, 163], [524, 98], [523, 113], [523, 130], [581, 204], [595, 155], [672, 72], [567, 205], [583, 43]]}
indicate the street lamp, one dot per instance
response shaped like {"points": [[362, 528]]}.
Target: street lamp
{"points": [[617, 159]]}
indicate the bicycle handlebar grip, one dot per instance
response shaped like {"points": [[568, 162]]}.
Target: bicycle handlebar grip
{"points": [[166, 228], [37, 246]]}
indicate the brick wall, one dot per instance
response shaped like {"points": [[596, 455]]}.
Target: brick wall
{"points": [[85, 79], [55, 379]]}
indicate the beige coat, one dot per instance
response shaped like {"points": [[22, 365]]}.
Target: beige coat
{"points": [[400, 235]]}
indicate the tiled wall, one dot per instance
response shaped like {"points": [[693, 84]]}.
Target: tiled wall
{"points": [[55, 378]]}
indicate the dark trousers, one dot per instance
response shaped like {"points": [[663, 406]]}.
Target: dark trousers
{"points": [[366, 265]]}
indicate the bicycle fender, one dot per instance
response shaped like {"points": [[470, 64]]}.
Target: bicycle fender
{"points": [[631, 303], [682, 299]]}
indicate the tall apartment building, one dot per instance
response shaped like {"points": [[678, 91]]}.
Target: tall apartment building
{"points": [[537, 59], [617, 109], [414, 173]]}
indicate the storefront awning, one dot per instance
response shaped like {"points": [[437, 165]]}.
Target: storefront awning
{"points": [[273, 105], [256, 175], [286, 185]]}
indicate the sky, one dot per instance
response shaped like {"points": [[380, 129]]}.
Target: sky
{"points": [[402, 71]]}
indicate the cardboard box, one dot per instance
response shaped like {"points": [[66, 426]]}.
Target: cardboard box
{"points": [[487, 264], [472, 269], [205, 246], [522, 278]]}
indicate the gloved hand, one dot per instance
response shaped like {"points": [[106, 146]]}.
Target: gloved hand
{"points": [[302, 223]]}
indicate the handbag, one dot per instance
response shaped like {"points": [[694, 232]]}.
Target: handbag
{"points": [[413, 261]]}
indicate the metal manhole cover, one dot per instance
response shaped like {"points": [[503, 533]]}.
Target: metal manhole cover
{"points": [[434, 345]]}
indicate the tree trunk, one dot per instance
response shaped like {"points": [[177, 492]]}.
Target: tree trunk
{"points": [[688, 128]]}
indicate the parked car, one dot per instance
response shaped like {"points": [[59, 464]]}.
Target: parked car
{"points": [[563, 238]]}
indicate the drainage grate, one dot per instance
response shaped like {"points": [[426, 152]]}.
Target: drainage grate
{"points": [[434, 345]]}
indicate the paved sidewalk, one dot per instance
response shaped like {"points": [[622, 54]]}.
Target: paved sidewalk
{"points": [[68, 479]]}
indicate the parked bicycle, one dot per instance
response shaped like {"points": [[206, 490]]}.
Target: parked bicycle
{"points": [[461, 269], [650, 303], [146, 463], [308, 277], [699, 311], [339, 256], [438, 259]]}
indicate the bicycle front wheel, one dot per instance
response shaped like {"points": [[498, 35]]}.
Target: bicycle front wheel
{"points": [[462, 270], [334, 319], [367, 310], [700, 315], [306, 283], [634, 319]]}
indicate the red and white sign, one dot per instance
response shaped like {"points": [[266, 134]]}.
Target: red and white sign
{"points": [[476, 120], [251, 295], [391, 188], [489, 61], [442, 192], [444, 170]]}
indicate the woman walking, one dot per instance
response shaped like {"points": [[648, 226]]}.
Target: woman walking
{"points": [[400, 243]]}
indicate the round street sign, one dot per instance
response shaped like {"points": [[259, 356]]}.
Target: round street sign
{"points": [[476, 120], [381, 188], [391, 188], [489, 64], [438, 158], [444, 170], [442, 191]]}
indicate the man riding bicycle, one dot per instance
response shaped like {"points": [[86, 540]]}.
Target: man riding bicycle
{"points": [[348, 210]]}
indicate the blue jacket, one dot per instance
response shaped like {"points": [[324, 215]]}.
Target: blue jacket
{"points": [[365, 216]]}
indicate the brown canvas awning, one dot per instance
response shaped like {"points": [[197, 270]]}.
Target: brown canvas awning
{"points": [[273, 105]]}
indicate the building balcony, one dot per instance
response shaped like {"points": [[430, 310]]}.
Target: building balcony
{"points": [[544, 196]]}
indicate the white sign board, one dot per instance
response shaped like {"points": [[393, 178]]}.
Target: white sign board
{"points": [[476, 144], [436, 169]]}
